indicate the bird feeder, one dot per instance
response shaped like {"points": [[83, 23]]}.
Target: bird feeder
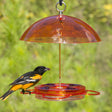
{"points": [[61, 29]]}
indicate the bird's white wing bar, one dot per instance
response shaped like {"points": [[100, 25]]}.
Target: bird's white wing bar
{"points": [[30, 80]]}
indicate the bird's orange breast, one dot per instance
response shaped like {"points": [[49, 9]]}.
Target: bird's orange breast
{"points": [[20, 86], [37, 76], [25, 86]]}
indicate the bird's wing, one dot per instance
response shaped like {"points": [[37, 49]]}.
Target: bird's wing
{"points": [[26, 78]]}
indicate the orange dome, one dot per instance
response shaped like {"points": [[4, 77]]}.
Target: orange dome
{"points": [[66, 29]]}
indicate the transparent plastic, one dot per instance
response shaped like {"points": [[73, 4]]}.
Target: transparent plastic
{"points": [[65, 92], [64, 29]]}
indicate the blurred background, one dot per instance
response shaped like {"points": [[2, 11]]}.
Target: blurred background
{"points": [[86, 64]]}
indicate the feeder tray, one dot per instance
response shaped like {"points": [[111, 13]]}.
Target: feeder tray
{"points": [[63, 92]]}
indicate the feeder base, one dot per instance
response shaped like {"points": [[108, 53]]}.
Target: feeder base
{"points": [[61, 92], [59, 98]]}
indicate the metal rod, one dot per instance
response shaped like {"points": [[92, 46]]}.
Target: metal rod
{"points": [[60, 64]]}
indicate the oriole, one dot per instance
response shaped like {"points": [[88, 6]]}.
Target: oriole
{"points": [[25, 81]]}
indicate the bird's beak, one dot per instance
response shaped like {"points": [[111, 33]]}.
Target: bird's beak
{"points": [[47, 69]]}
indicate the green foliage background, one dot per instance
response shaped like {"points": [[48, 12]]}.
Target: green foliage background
{"points": [[86, 64]]}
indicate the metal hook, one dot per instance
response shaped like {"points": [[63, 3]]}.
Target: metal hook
{"points": [[59, 9]]}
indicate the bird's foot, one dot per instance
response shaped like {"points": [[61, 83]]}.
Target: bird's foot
{"points": [[23, 91], [26, 91]]}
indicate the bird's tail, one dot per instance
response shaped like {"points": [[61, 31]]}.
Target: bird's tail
{"points": [[6, 95]]}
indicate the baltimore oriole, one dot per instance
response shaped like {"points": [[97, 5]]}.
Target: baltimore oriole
{"points": [[25, 81]]}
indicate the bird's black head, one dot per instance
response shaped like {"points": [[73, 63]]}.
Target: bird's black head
{"points": [[41, 69]]}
